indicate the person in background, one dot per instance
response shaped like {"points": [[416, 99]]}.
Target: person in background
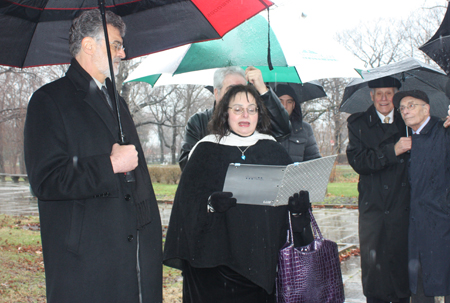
{"points": [[228, 252], [377, 151], [301, 143], [224, 78], [429, 176], [101, 235]]}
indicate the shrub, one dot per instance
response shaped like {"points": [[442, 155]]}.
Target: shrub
{"points": [[168, 174]]}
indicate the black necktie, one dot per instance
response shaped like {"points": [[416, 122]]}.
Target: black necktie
{"points": [[108, 98]]}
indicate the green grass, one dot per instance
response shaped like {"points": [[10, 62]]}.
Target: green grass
{"points": [[164, 191], [343, 189], [22, 270]]}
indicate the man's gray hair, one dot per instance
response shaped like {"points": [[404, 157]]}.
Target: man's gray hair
{"points": [[221, 73], [89, 24]]}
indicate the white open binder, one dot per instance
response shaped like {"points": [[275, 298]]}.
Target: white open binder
{"points": [[273, 185]]}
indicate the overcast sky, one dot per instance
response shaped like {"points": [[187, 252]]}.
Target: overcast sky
{"points": [[325, 17]]}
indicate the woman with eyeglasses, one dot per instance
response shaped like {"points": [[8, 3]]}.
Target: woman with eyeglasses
{"points": [[228, 252]]}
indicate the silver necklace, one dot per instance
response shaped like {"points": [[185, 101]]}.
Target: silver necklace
{"points": [[243, 156]]}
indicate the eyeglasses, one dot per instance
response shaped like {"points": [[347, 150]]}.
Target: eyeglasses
{"points": [[410, 106], [117, 46], [239, 110]]}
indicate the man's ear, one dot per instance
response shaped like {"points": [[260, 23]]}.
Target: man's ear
{"points": [[371, 95], [88, 45], [216, 93], [428, 108]]}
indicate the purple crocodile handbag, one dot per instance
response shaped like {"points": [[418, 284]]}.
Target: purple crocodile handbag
{"points": [[311, 273]]}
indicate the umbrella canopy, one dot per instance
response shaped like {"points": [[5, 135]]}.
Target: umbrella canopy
{"points": [[438, 47], [412, 74], [305, 91], [247, 45], [35, 33]]}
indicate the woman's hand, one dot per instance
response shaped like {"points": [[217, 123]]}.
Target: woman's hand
{"points": [[221, 202], [299, 203]]}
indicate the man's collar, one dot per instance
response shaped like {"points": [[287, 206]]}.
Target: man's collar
{"points": [[422, 126], [390, 115], [99, 84]]}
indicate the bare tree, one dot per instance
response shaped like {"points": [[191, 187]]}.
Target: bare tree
{"points": [[168, 108], [375, 44], [17, 87]]}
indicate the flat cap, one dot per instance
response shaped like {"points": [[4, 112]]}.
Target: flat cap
{"points": [[418, 94]]}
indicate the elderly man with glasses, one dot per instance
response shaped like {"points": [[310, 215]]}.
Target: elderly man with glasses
{"points": [[429, 176], [377, 151]]}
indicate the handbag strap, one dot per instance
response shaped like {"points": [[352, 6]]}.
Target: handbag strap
{"points": [[314, 225]]}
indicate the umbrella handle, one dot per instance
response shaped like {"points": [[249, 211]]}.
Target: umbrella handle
{"points": [[129, 176]]}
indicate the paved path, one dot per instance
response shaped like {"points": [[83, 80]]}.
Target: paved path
{"points": [[339, 225]]}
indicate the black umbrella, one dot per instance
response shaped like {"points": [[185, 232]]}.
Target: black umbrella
{"points": [[305, 91], [35, 32], [412, 74], [438, 47]]}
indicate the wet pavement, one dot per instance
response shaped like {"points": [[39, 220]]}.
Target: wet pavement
{"points": [[337, 224]]}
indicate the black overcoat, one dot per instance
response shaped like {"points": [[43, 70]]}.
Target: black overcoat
{"points": [[429, 230], [383, 203], [88, 214], [246, 238]]}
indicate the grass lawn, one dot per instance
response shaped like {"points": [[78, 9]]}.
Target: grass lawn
{"points": [[22, 276], [343, 189], [164, 191]]}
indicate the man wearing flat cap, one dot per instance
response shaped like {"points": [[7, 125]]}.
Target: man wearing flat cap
{"points": [[377, 151], [429, 177]]}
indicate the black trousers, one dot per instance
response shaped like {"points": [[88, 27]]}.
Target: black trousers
{"points": [[221, 285]]}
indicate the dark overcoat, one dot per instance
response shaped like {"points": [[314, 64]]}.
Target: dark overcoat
{"points": [[429, 230], [90, 216], [383, 203]]}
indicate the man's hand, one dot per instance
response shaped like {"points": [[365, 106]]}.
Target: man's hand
{"points": [[124, 158], [402, 145], [447, 122], [254, 76]]}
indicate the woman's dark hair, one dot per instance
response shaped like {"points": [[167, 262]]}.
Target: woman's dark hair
{"points": [[219, 122]]}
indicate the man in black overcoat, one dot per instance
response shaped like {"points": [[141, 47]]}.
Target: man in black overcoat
{"points": [[429, 176], [101, 235], [377, 151]]}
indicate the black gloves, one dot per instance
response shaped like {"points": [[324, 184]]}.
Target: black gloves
{"points": [[299, 206], [221, 202], [299, 203]]}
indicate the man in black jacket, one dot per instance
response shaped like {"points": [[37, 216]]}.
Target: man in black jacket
{"points": [[101, 235], [196, 127], [377, 151], [301, 143]]}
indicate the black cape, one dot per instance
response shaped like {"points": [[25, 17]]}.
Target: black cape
{"points": [[246, 238]]}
